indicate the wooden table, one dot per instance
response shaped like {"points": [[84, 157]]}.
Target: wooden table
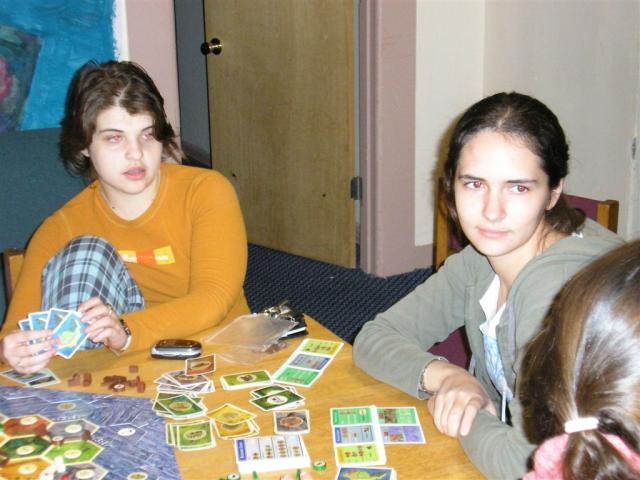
{"points": [[342, 385]]}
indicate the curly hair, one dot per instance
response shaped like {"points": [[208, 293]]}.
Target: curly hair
{"points": [[97, 87], [584, 363]]}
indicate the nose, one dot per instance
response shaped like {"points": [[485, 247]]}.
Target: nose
{"points": [[134, 150], [493, 208]]}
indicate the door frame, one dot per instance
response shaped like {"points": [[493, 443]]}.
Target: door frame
{"points": [[387, 139]]}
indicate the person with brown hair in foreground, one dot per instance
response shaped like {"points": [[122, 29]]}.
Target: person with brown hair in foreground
{"points": [[580, 384]]}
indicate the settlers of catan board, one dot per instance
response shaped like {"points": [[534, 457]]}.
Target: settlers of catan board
{"points": [[98, 436]]}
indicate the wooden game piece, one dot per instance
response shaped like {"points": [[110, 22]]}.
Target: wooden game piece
{"points": [[133, 369], [74, 381], [140, 386], [86, 379]]}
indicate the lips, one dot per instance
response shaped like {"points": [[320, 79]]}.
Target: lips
{"points": [[491, 233], [136, 173]]}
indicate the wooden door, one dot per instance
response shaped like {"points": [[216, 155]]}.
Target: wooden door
{"points": [[281, 107]]}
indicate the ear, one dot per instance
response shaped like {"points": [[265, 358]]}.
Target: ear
{"points": [[555, 194], [85, 152]]}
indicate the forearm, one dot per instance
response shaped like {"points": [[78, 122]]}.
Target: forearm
{"points": [[497, 449], [390, 357]]}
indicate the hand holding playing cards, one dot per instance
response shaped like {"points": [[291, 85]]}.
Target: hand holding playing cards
{"points": [[103, 324], [458, 398], [27, 351]]}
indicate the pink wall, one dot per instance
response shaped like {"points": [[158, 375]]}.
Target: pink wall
{"points": [[387, 92], [152, 44]]}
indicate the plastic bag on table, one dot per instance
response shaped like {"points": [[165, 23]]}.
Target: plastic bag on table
{"points": [[250, 338]]}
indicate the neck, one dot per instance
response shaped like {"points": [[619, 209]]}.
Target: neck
{"points": [[130, 206]]}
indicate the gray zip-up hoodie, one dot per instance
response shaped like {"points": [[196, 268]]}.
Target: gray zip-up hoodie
{"points": [[393, 347]]}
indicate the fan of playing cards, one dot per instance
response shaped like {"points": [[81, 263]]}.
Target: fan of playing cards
{"points": [[68, 329]]}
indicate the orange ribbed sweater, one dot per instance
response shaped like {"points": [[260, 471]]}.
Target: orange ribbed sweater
{"points": [[187, 252]]}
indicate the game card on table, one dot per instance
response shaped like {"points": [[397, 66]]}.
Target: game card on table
{"points": [[357, 440], [305, 365]]}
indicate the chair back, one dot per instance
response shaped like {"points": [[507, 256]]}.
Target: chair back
{"points": [[12, 262]]}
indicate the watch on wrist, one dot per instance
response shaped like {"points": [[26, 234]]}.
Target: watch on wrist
{"points": [[127, 342]]}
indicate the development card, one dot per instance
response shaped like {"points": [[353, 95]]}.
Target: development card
{"points": [[200, 365], [305, 365], [49, 378], [70, 335], [296, 376], [357, 440], [362, 453], [295, 421], [245, 380], [323, 347], [24, 379], [230, 414], [400, 425], [56, 316], [38, 320], [278, 401], [379, 473], [24, 324]]}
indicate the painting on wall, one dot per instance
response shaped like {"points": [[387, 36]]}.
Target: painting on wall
{"points": [[42, 44], [18, 55]]}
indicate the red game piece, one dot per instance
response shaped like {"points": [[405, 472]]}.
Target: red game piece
{"points": [[75, 380], [140, 387], [133, 369], [86, 380]]}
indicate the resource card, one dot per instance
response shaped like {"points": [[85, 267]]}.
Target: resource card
{"points": [[305, 365], [253, 379]]}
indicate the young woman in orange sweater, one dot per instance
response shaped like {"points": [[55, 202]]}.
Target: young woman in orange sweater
{"points": [[150, 249]]}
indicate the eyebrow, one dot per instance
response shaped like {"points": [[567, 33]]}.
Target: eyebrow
{"points": [[519, 181], [105, 130]]}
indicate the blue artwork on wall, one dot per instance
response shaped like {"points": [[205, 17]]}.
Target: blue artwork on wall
{"points": [[42, 44]]}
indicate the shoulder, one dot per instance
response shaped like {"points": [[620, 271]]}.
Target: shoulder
{"points": [[195, 178], [541, 279]]}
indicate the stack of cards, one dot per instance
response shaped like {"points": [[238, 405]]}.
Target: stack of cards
{"points": [[237, 381], [67, 328], [189, 436], [178, 407], [39, 379], [276, 397], [307, 362], [178, 382], [233, 422], [272, 453]]}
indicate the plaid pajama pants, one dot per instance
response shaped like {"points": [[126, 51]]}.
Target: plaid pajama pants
{"points": [[89, 266]]}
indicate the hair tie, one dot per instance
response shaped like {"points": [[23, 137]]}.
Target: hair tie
{"points": [[581, 424]]}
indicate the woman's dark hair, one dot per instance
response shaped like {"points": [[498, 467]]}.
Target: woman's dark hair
{"points": [[97, 87], [529, 120], [584, 363]]}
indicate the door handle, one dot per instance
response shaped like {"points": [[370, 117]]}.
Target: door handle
{"points": [[213, 46]]}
